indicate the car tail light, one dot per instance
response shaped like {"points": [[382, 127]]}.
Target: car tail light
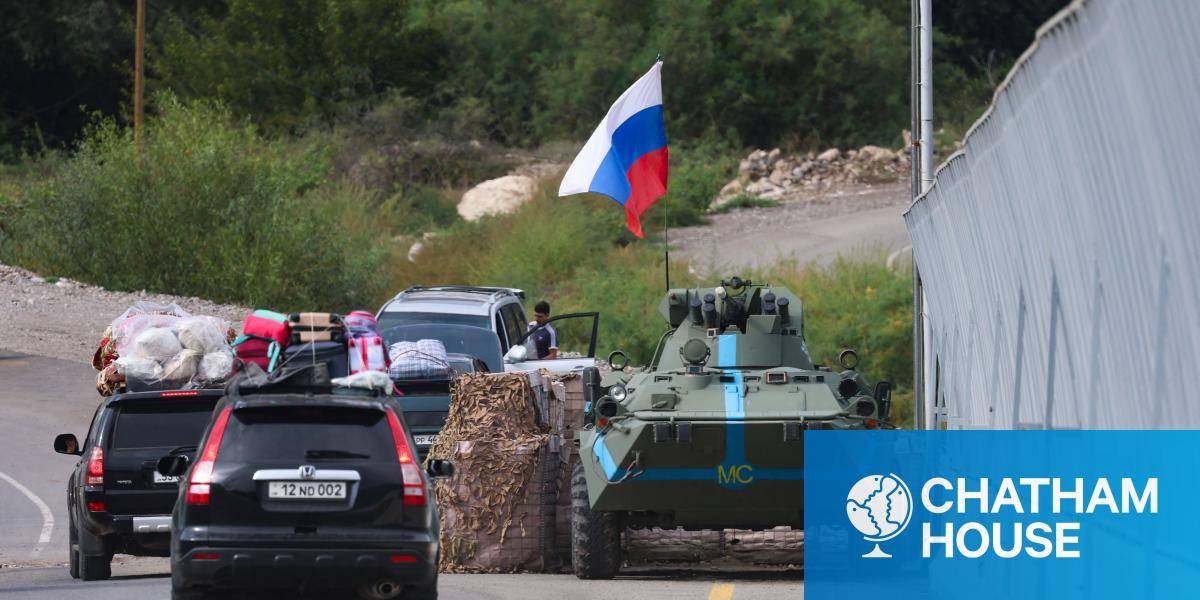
{"points": [[414, 480], [95, 468], [206, 556], [180, 393], [200, 482], [96, 506], [403, 559]]}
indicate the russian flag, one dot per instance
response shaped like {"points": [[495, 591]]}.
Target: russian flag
{"points": [[626, 157]]}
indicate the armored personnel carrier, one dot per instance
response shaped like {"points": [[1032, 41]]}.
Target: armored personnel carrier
{"points": [[710, 434]]}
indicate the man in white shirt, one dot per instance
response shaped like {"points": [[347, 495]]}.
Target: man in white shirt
{"points": [[545, 338]]}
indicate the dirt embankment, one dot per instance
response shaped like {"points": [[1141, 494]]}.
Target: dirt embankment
{"points": [[64, 319]]}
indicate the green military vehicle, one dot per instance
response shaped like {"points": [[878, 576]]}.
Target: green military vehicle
{"points": [[710, 435]]}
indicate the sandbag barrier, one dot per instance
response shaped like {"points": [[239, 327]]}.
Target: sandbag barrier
{"points": [[508, 507]]}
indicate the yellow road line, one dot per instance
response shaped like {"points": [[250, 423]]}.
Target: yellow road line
{"points": [[721, 591]]}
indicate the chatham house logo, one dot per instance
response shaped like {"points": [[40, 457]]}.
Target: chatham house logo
{"points": [[879, 507]]}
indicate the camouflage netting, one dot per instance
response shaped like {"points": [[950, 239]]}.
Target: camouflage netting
{"points": [[497, 511]]}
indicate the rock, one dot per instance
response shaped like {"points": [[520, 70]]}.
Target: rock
{"points": [[37, 279], [773, 156], [829, 155], [745, 168], [801, 170], [732, 190], [496, 196], [761, 187], [415, 250], [851, 154], [779, 175], [877, 154], [419, 245]]}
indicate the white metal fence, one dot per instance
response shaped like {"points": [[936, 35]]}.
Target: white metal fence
{"points": [[1060, 249]]}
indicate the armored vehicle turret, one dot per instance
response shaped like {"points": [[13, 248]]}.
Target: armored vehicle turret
{"points": [[710, 434]]}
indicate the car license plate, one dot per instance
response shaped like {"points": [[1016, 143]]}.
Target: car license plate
{"points": [[425, 440], [160, 478], [307, 490]]}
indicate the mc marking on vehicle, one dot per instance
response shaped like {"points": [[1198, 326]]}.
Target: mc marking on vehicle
{"points": [[735, 475]]}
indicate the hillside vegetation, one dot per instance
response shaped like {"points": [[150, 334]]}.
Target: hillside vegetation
{"points": [[294, 150]]}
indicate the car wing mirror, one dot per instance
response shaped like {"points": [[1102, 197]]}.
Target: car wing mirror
{"points": [[516, 354], [172, 465], [440, 469], [883, 398], [66, 443]]}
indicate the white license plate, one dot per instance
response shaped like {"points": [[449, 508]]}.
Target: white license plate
{"points": [[307, 490], [425, 440], [160, 478]]}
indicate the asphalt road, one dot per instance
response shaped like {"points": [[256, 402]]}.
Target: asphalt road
{"points": [[41, 397]]}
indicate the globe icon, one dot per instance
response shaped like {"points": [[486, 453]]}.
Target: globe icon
{"points": [[879, 507]]}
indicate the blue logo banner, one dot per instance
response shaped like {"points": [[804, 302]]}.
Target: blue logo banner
{"points": [[1002, 514]]}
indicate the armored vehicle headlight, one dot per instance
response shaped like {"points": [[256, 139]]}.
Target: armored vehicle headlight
{"points": [[848, 358], [618, 392], [606, 408], [847, 388], [864, 408]]}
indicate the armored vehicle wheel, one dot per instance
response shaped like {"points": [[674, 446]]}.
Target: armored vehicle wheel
{"points": [[595, 536]]}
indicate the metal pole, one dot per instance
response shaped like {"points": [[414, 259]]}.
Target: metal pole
{"points": [[926, 94], [914, 178], [138, 79], [929, 384], [921, 97]]}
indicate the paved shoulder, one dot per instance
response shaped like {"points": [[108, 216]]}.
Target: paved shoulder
{"points": [[40, 398]]}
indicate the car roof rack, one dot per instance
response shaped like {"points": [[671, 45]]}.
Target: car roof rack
{"points": [[493, 291]]}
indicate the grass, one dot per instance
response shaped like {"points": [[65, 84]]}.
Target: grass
{"points": [[745, 201]]}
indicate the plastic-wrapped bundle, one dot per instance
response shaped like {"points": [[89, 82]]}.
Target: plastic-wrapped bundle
{"points": [[215, 366], [164, 347], [141, 316], [156, 343], [203, 334], [422, 359], [181, 368], [139, 371]]}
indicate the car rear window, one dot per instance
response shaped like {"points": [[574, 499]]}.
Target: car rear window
{"points": [[161, 424], [308, 433], [425, 418], [395, 319]]}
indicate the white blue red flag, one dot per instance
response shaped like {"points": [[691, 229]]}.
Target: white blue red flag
{"points": [[626, 157]]}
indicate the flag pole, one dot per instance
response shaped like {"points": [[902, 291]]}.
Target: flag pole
{"points": [[666, 246], [666, 227]]}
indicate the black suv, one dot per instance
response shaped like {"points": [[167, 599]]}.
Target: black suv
{"points": [[116, 500], [304, 488]]}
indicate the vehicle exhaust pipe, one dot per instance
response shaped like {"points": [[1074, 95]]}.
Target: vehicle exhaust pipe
{"points": [[384, 589]]}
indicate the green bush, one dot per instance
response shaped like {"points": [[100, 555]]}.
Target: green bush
{"points": [[206, 207], [857, 302]]}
